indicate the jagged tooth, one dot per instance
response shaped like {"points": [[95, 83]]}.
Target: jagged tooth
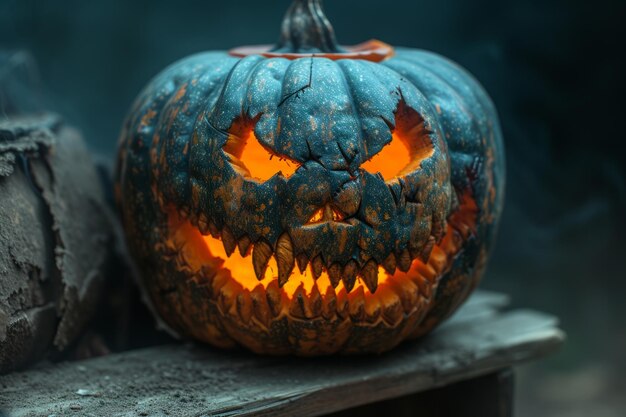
{"points": [[369, 273], [428, 248], [427, 271], [329, 304], [428, 290], [414, 252], [299, 304], [390, 264], [244, 246], [213, 230], [203, 224], [227, 296], [284, 258], [302, 261], [438, 259], [274, 298], [228, 240], [349, 275], [261, 254], [364, 257], [315, 302], [334, 274], [408, 291], [244, 306], [219, 281], [343, 308], [303, 306], [425, 286], [392, 306], [317, 266], [207, 275], [372, 309], [404, 261], [259, 305], [357, 305]]}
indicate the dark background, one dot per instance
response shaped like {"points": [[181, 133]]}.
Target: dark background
{"points": [[554, 69]]}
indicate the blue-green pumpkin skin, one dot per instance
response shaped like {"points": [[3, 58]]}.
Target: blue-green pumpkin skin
{"points": [[171, 155]]}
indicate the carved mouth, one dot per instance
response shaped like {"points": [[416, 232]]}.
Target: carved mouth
{"points": [[261, 282]]}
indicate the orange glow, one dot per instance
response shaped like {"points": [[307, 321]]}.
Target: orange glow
{"points": [[231, 276], [250, 158], [242, 271], [391, 160], [326, 214], [410, 145], [317, 216], [205, 251]]}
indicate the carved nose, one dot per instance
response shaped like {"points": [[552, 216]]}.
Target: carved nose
{"points": [[347, 199], [337, 195], [326, 213]]}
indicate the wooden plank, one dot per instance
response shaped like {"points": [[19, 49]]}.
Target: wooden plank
{"points": [[485, 396], [199, 381]]}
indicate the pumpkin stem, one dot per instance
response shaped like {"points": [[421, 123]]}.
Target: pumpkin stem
{"points": [[306, 30]]}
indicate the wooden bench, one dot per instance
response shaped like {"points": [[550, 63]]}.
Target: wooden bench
{"points": [[461, 369]]}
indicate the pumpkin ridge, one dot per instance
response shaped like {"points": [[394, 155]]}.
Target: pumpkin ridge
{"points": [[185, 112], [356, 115], [451, 88], [478, 93], [233, 92], [458, 151]]}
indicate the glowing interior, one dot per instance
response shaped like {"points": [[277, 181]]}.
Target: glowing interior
{"points": [[233, 276], [242, 269], [389, 159], [318, 216], [250, 158], [410, 145], [324, 214]]}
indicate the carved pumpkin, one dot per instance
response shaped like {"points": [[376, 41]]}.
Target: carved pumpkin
{"points": [[308, 198]]}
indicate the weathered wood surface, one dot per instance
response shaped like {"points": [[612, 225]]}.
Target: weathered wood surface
{"points": [[200, 381]]}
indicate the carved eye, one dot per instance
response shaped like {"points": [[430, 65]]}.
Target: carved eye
{"points": [[410, 145], [250, 158]]}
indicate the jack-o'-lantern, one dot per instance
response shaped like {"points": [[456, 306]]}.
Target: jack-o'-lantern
{"points": [[310, 198]]}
